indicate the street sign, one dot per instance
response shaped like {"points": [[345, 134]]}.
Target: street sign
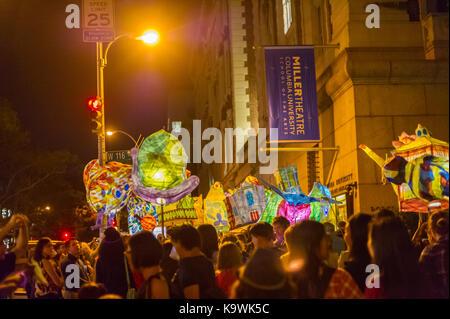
{"points": [[98, 20], [98, 36], [119, 156]]}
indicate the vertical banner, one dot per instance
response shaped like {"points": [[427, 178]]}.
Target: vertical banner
{"points": [[291, 93]]}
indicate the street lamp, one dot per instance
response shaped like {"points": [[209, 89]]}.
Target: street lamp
{"points": [[110, 133], [101, 64], [150, 37], [47, 207]]}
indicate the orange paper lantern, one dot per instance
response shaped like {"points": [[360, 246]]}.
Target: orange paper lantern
{"points": [[148, 222]]}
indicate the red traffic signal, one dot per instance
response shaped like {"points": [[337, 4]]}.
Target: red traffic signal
{"points": [[66, 236], [94, 104]]}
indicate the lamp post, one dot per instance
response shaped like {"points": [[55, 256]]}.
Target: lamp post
{"points": [[110, 133], [151, 38]]}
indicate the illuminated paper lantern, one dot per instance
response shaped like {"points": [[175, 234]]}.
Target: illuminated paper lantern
{"points": [[287, 178], [417, 171], [159, 170], [271, 210], [148, 222], [108, 188], [246, 206], [320, 209], [215, 208], [294, 213], [161, 161], [426, 176], [137, 209], [181, 211]]}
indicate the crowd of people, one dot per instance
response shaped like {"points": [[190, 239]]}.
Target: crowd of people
{"points": [[369, 256]]}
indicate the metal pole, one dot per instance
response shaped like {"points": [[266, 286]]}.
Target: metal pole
{"points": [[99, 62], [101, 137], [162, 221], [102, 97]]}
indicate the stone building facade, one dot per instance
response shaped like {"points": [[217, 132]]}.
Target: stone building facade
{"points": [[372, 84]]}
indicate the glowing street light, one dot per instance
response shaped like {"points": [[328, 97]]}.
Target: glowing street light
{"points": [[47, 207], [150, 37], [110, 133]]}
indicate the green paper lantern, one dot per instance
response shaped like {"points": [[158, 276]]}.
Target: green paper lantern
{"points": [[162, 161]]}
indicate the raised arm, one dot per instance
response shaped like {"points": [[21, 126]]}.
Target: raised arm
{"points": [[22, 239]]}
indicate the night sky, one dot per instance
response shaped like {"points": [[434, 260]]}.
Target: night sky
{"points": [[47, 72]]}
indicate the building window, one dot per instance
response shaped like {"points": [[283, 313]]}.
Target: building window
{"points": [[287, 15]]}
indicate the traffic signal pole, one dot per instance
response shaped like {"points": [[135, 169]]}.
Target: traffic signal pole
{"points": [[101, 137], [101, 95]]}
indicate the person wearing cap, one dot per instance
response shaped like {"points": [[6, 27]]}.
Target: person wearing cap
{"points": [[263, 282], [263, 237]]}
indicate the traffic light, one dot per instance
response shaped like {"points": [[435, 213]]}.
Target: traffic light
{"points": [[95, 106], [66, 236]]}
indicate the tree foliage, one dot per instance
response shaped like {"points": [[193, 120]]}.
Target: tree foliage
{"points": [[32, 179]]}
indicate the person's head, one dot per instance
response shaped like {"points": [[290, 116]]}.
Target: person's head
{"points": [[384, 213], [355, 236], [85, 251], [44, 249], [262, 235], [146, 251], [280, 224], [167, 249], [111, 249], [341, 226], [308, 247], [230, 238], [392, 251], [59, 248], [329, 228], [185, 239], [209, 242], [437, 226], [73, 247], [263, 277], [307, 240], [230, 256], [92, 290], [243, 238]]}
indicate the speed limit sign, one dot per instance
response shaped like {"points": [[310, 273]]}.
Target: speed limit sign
{"points": [[98, 20]]}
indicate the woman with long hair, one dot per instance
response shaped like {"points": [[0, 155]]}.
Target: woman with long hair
{"points": [[112, 268], [209, 242], [146, 253], [263, 277], [229, 260], [392, 251], [355, 236], [308, 248], [43, 255]]}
